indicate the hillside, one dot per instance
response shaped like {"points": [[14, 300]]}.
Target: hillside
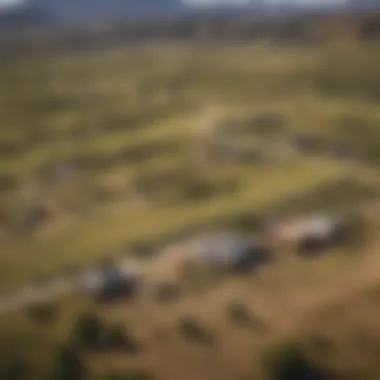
{"points": [[133, 155], [87, 12]]}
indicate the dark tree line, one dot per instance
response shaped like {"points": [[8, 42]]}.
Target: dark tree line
{"points": [[307, 28]]}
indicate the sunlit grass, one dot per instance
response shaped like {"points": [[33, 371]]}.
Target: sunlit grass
{"points": [[165, 84]]}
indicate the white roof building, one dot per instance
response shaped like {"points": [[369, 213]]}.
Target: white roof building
{"points": [[222, 248], [317, 226]]}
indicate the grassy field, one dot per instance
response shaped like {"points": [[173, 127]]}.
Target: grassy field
{"points": [[116, 149], [328, 306], [113, 117]]}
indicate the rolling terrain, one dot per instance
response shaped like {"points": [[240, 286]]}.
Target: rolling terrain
{"points": [[104, 153]]}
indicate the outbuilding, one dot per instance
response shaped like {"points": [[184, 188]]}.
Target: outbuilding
{"points": [[112, 281], [311, 234], [236, 252]]}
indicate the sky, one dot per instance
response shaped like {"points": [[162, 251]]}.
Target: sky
{"points": [[4, 3], [242, 2]]}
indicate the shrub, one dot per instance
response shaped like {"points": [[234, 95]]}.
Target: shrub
{"points": [[15, 369], [166, 292], [192, 331], [42, 314], [118, 338], [32, 217], [143, 250], [197, 189], [242, 317], [90, 332], [135, 375], [288, 362], [268, 123], [245, 221], [68, 365]]}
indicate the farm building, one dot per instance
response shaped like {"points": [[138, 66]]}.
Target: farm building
{"points": [[310, 234], [237, 252], [112, 281]]}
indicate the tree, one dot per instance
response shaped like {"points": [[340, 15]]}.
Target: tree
{"points": [[68, 365], [15, 369], [287, 362], [135, 375], [90, 332], [43, 314], [242, 317], [192, 331], [118, 338]]}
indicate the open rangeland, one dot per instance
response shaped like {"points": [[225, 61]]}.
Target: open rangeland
{"points": [[106, 151]]}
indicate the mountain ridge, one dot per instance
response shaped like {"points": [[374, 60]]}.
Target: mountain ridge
{"points": [[79, 12]]}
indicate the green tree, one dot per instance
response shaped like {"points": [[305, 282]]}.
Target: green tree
{"points": [[90, 332], [43, 314], [135, 375], [68, 365], [192, 331], [288, 362], [15, 369], [118, 338]]}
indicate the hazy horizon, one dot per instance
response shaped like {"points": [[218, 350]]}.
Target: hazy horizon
{"points": [[7, 3]]}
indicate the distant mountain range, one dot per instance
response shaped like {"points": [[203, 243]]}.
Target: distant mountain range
{"points": [[16, 18], [93, 10], [47, 12]]}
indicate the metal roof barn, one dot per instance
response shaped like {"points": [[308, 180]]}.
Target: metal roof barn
{"points": [[236, 251]]}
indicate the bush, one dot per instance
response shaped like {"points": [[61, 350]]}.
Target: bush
{"points": [[268, 123], [118, 338], [143, 250], [321, 343], [166, 292], [194, 332], [245, 221], [15, 369], [242, 317], [287, 362], [197, 189], [43, 314], [68, 365], [136, 375], [90, 332], [239, 314]]}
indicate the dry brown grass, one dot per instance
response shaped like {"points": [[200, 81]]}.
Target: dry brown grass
{"points": [[329, 304], [330, 299]]}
